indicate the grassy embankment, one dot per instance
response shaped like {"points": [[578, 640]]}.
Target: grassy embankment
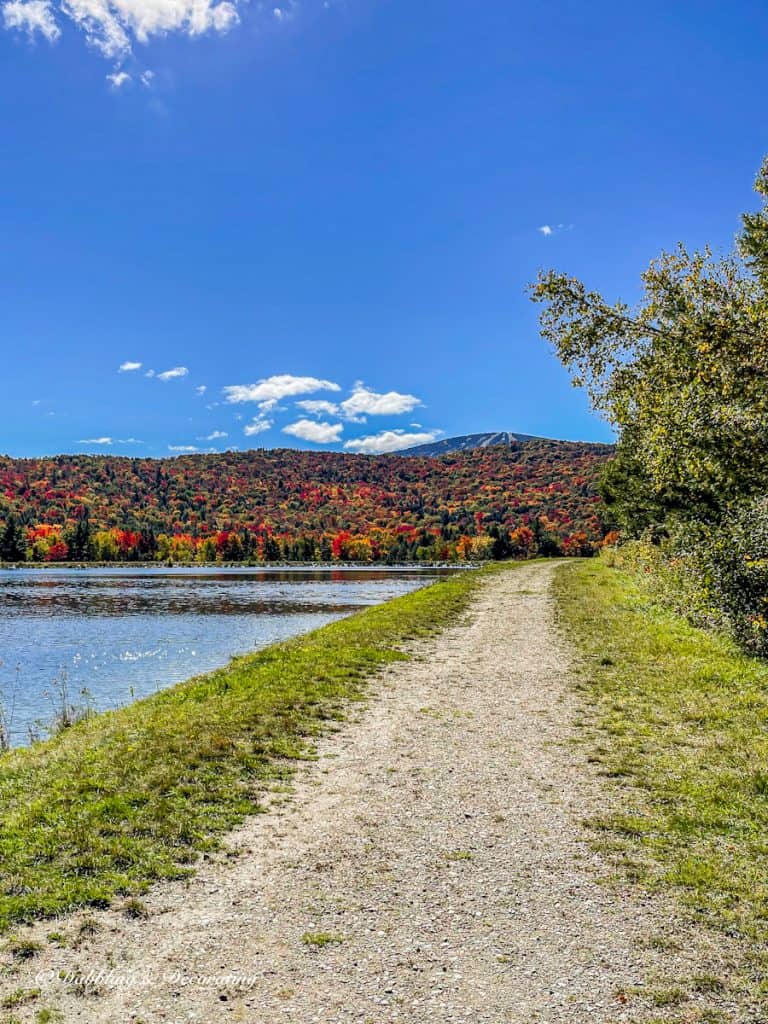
{"points": [[679, 718], [127, 797]]}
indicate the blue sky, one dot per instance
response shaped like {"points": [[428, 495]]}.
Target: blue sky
{"points": [[341, 202]]}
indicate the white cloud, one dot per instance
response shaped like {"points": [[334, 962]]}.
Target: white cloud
{"points": [[112, 28], [118, 79], [215, 435], [257, 426], [128, 367], [177, 371], [552, 229], [109, 440], [310, 430], [390, 441], [318, 407], [182, 448], [31, 17], [272, 389], [201, 389], [146, 78], [286, 11], [364, 402]]}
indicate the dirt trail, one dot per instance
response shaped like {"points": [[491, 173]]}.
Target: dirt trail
{"points": [[439, 840]]}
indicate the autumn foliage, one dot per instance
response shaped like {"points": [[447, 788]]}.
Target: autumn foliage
{"points": [[533, 497]]}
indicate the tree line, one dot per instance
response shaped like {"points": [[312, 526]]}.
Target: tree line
{"points": [[78, 542]]}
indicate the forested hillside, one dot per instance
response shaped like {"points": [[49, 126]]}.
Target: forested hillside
{"points": [[534, 496]]}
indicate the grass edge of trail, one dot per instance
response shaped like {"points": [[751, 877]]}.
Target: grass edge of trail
{"points": [[675, 719], [128, 797]]}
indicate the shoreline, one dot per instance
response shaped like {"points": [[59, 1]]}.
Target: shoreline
{"points": [[259, 566], [125, 798]]}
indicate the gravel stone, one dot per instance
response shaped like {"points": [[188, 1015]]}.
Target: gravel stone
{"points": [[438, 845]]}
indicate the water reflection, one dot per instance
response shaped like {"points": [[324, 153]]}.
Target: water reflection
{"points": [[125, 633]]}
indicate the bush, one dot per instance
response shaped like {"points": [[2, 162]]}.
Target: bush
{"points": [[717, 576], [736, 562], [674, 572]]}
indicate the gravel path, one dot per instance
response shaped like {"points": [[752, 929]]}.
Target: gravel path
{"points": [[430, 868]]}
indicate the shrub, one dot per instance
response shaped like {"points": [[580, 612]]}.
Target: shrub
{"points": [[717, 576], [736, 566]]}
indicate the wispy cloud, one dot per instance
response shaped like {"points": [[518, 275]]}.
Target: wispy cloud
{"points": [[110, 440], [112, 29], [258, 425], [118, 79], [215, 435], [182, 448], [287, 10], [311, 430], [318, 407], [269, 405], [173, 374], [33, 17], [201, 389], [391, 441], [128, 367], [553, 229], [272, 389]]}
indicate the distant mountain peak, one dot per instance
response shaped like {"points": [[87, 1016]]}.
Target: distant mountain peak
{"points": [[467, 442]]}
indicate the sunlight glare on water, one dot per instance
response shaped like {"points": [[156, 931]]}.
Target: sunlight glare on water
{"points": [[121, 634]]}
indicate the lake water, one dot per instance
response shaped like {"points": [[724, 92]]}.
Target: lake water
{"points": [[120, 634]]}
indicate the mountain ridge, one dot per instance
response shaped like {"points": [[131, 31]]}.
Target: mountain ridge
{"points": [[470, 442]]}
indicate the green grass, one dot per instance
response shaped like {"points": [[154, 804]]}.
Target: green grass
{"points": [[127, 797], [678, 720], [20, 997], [47, 1016]]}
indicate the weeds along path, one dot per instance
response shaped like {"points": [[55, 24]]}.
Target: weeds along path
{"points": [[430, 867]]}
